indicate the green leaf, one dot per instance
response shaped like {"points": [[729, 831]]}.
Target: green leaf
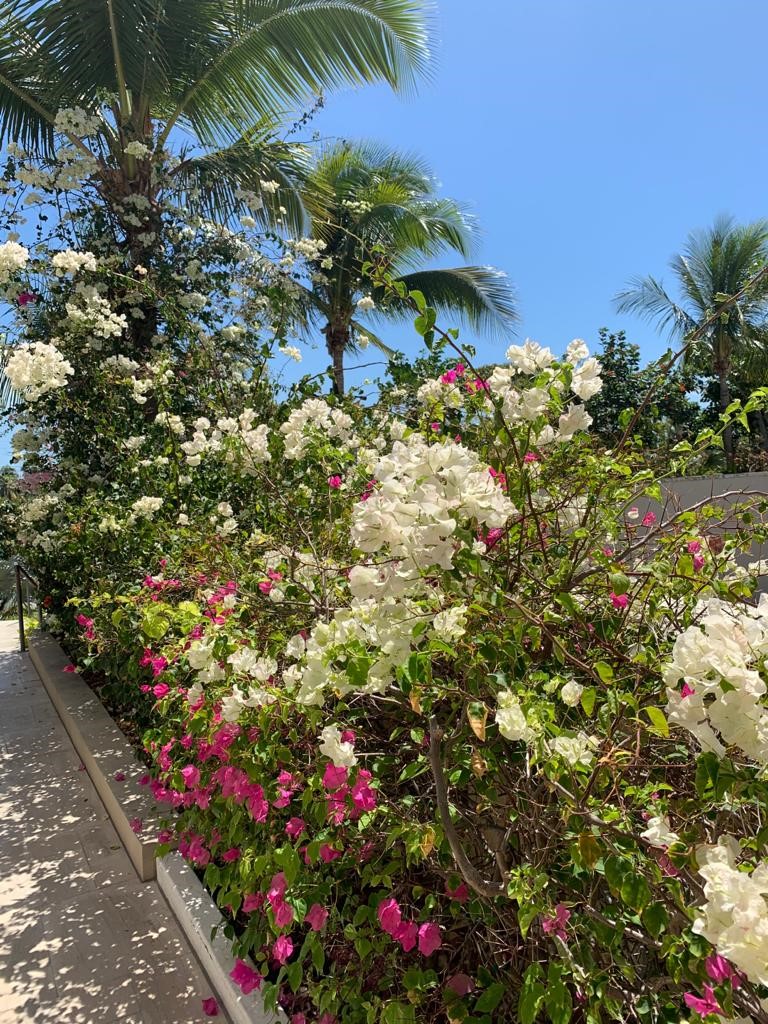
{"points": [[588, 697], [707, 772], [398, 1013], [589, 849], [558, 1003], [655, 919], [635, 892], [288, 860], [294, 972], [658, 719], [615, 869], [531, 995], [526, 912], [604, 670], [491, 998], [619, 583]]}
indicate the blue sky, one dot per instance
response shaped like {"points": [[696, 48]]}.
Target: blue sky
{"points": [[588, 136]]}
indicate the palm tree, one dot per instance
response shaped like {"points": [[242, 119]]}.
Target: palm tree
{"points": [[215, 74], [715, 262], [362, 197]]}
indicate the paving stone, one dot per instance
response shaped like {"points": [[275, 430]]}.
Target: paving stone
{"points": [[82, 940]]}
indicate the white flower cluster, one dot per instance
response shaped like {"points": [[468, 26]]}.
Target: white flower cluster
{"points": [[37, 509], [146, 507], [237, 439], [315, 417], [384, 625], [735, 916], [341, 752], [137, 149], [76, 121], [292, 352], [13, 258], [715, 688], [91, 315], [71, 262], [525, 402], [121, 365], [35, 369], [511, 719], [309, 248], [424, 491]]}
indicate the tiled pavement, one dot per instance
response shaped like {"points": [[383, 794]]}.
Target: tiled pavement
{"points": [[82, 941]]}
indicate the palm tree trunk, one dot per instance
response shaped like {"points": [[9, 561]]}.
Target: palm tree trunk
{"points": [[762, 429], [336, 340], [725, 401]]}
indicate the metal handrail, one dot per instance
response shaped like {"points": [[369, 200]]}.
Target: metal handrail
{"points": [[21, 571]]}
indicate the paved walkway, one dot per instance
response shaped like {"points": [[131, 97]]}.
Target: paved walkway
{"points": [[82, 940]]}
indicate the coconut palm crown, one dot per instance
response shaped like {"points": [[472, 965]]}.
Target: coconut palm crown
{"points": [[362, 197], [715, 262]]}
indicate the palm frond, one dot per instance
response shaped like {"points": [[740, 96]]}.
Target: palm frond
{"points": [[481, 296], [647, 298], [9, 396], [218, 177], [270, 54]]}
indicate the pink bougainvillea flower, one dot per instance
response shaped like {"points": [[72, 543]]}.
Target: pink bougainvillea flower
{"points": [[333, 776], [159, 665], [334, 482], [69, 668], [136, 825], [407, 934], [694, 546], [298, 1018], [649, 519], [210, 1007], [434, 426], [253, 901], [687, 691], [191, 775], [389, 915], [698, 563], [119, 776], [316, 917], [282, 949], [703, 1005], [556, 924], [231, 855], [430, 938], [277, 887], [245, 977], [25, 298], [283, 914], [161, 690], [666, 865], [619, 600], [461, 984], [348, 736], [328, 854], [295, 827], [460, 893], [719, 970], [164, 835]]}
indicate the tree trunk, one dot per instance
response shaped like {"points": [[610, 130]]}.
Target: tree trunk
{"points": [[762, 429], [336, 340], [725, 401]]}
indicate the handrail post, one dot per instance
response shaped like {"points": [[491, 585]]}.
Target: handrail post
{"points": [[20, 607]]}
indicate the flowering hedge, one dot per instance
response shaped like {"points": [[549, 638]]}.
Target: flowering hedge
{"points": [[451, 730]]}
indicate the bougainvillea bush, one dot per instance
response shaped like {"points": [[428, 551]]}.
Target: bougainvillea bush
{"points": [[455, 727]]}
